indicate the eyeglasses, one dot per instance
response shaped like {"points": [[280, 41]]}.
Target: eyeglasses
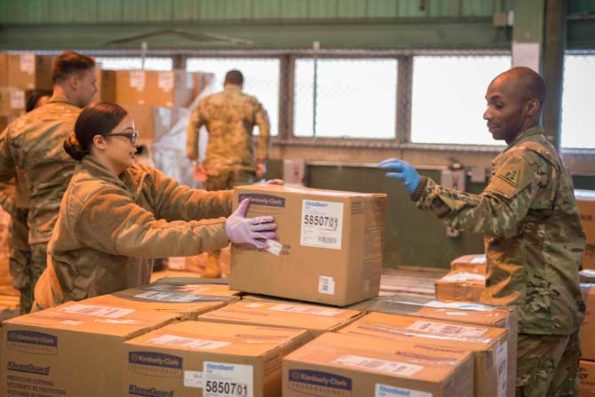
{"points": [[132, 135]]}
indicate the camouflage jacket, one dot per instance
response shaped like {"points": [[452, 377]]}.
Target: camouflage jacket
{"points": [[230, 117], [533, 236], [33, 143], [109, 230], [7, 197]]}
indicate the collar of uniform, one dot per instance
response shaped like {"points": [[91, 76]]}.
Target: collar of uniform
{"points": [[96, 169], [60, 99], [527, 134], [232, 88]]}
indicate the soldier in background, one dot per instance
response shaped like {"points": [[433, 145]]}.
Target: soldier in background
{"points": [[533, 236], [33, 144], [229, 117]]}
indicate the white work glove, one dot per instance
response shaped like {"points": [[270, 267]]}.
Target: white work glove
{"points": [[242, 230]]}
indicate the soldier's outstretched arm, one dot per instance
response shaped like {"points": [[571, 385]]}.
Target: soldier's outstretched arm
{"points": [[498, 210], [193, 133]]}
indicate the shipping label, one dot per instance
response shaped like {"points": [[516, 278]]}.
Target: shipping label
{"points": [[450, 330], [227, 380], [322, 224], [390, 367], [301, 309], [381, 390], [192, 343]]}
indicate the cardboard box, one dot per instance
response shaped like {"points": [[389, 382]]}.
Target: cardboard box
{"points": [[362, 366], [153, 122], [12, 102], [460, 312], [75, 349], [489, 345], [588, 328], [587, 375], [588, 261], [30, 71], [460, 286], [330, 245], [186, 303], [316, 319], [470, 264], [199, 359], [3, 70], [585, 201], [147, 87]]}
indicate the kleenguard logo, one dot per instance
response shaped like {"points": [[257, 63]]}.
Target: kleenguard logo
{"points": [[273, 204], [27, 368], [158, 364], [31, 341], [148, 392], [322, 384]]}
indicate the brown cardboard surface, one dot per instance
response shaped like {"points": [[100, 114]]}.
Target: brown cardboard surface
{"points": [[3, 70], [357, 365], [470, 264], [588, 261], [489, 345], [588, 328], [585, 201], [186, 302], [330, 245], [12, 102], [30, 71], [315, 318], [460, 312], [460, 286], [587, 376], [191, 357], [75, 349]]}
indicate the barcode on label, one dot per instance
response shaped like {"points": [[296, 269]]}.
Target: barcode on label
{"points": [[326, 285], [327, 240], [447, 330], [391, 367], [99, 311]]}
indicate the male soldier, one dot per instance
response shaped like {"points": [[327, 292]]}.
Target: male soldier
{"points": [[533, 235], [33, 144], [229, 117]]}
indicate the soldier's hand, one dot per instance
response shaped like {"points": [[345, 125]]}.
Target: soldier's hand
{"points": [[254, 231], [261, 169], [280, 182], [403, 171], [200, 173]]}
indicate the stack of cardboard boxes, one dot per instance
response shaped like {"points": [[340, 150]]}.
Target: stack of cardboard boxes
{"points": [[585, 200], [466, 280], [587, 365]]}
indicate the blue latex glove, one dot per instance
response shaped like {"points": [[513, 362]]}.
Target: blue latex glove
{"points": [[242, 230], [401, 170]]}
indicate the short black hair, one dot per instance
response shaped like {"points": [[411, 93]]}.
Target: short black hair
{"points": [[70, 62], [532, 84], [234, 77]]}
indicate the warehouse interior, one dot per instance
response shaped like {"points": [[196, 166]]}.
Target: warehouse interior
{"points": [[346, 84]]}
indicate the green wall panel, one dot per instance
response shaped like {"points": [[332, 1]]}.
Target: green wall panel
{"points": [[382, 8]]}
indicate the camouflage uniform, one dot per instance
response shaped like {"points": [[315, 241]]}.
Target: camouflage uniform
{"points": [[33, 144], [534, 241], [229, 117]]}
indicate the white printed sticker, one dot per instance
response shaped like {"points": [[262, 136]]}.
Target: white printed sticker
{"points": [[393, 391], [190, 81], [97, 311], [459, 305], [450, 330], [166, 81], [374, 364], [325, 312], [137, 79], [326, 285], [193, 379], [274, 247], [174, 297], [192, 343], [322, 224], [71, 322], [228, 380], [17, 99], [254, 305], [27, 63], [501, 358], [479, 259]]}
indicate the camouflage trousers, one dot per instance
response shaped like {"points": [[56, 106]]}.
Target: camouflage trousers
{"points": [[225, 180], [36, 266], [20, 258], [548, 365]]}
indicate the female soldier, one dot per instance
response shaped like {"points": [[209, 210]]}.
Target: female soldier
{"points": [[116, 215]]}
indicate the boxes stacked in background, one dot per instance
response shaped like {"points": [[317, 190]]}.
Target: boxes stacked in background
{"points": [[465, 282], [159, 102], [587, 367], [20, 74]]}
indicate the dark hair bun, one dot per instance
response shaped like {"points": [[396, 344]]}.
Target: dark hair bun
{"points": [[73, 148]]}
